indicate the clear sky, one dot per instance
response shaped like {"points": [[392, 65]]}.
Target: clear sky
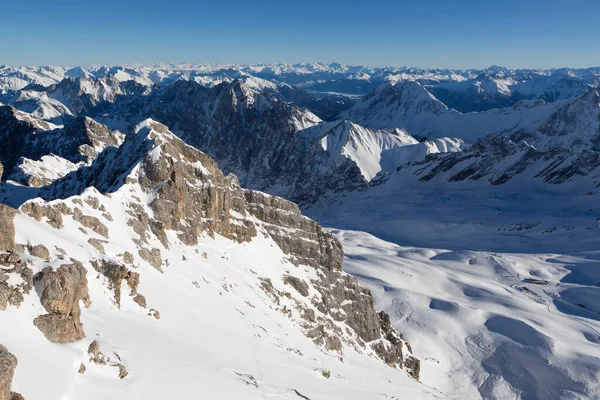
{"points": [[426, 33]]}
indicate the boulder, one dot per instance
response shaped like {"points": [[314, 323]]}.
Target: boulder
{"points": [[8, 363], [62, 291], [39, 251]]}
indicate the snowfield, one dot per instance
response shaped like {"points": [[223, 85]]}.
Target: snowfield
{"points": [[489, 325], [497, 288]]}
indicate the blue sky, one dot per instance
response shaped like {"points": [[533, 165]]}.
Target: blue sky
{"points": [[434, 33]]}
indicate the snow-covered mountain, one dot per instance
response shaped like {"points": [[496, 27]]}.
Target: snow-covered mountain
{"points": [[154, 242], [476, 231], [409, 105], [374, 151], [464, 90], [496, 89]]}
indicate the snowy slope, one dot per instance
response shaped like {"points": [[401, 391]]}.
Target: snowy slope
{"points": [[374, 151], [197, 287], [217, 337], [483, 253], [490, 325], [498, 285], [371, 150]]}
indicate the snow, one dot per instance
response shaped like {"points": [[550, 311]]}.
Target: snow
{"points": [[374, 151], [50, 167], [482, 328], [495, 287]]}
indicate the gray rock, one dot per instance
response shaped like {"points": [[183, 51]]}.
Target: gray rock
{"points": [[38, 211], [97, 244], [298, 284], [7, 228], [91, 222], [8, 363], [39, 251], [117, 273], [62, 291], [152, 257]]}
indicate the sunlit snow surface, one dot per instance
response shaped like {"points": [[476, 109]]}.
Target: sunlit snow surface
{"points": [[496, 288]]}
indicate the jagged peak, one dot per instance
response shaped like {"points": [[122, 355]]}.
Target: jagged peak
{"points": [[148, 125], [9, 112], [591, 97]]}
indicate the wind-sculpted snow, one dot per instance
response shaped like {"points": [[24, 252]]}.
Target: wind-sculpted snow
{"points": [[490, 325]]}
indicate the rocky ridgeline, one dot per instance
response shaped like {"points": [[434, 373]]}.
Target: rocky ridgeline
{"points": [[35, 154], [175, 188], [249, 132], [8, 295], [499, 160]]}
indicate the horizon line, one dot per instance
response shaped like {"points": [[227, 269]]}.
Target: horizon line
{"points": [[293, 64]]}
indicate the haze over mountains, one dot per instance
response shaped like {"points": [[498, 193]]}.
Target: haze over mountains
{"points": [[465, 200]]}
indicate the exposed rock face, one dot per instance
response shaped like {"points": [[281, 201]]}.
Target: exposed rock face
{"points": [[7, 228], [189, 199], [499, 160], [310, 245], [8, 363], [11, 262], [11, 294], [63, 289], [97, 357], [39, 251], [248, 132], [25, 155], [38, 211], [90, 222]]}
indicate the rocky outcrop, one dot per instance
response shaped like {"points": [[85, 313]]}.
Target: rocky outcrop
{"points": [[62, 291], [191, 199], [117, 274], [32, 159], [98, 358], [498, 160], [8, 363], [308, 245], [7, 228], [38, 210], [340, 298], [10, 261], [39, 251], [11, 294], [248, 132], [90, 222]]}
